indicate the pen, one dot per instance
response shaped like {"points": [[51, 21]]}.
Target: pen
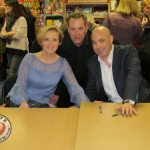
{"points": [[31, 105], [117, 114], [100, 109]]}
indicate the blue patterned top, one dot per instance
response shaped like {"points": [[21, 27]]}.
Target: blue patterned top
{"points": [[38, 81]]}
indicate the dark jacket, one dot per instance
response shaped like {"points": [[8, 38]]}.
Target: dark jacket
{"points": [[1, 21], [35, 47], [144, 51], [126, 74], [77, 58], [31, 30]]}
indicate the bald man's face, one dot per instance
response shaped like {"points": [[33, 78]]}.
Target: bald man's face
{"points": [[102, 43]]}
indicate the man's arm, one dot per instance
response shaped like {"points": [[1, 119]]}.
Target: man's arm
{"points": [[133, 75], [132, 81]]}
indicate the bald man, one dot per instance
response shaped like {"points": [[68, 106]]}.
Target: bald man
{"points": [[114, 73]]}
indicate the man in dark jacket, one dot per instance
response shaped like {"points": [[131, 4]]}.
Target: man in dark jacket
{"points": [[144, 52], [115, 73], [77, 49]]}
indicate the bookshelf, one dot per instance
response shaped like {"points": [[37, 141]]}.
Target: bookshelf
{"points": [[54, 12], [54, 20], [95, 11]]}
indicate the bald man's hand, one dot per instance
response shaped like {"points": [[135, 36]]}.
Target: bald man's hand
{"points": [[126, 109]]}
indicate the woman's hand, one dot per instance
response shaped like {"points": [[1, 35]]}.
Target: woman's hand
{"points": [[144, 21], [11, 34], [98, 102], [5, 34], [53, 100], [74, 106], [2, 106], [24, 105]]}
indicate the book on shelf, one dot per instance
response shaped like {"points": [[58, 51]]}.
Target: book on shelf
{"points": [[78, 8], [69, 10], [102, 13], [90, 18], [49, 22], [87, 9], [57, 22]]}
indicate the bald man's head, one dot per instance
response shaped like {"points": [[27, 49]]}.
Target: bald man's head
{"points": [[102, 41], [102, 29]]}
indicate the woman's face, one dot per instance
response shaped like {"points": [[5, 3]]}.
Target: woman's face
{"points": [[146, 10], [50, 42], [8, 9]]}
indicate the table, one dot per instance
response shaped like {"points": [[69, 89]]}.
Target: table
{"points": [[101, 131], [41, 128]]}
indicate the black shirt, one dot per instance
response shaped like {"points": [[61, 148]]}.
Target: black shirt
{"points": [[77, 58]]}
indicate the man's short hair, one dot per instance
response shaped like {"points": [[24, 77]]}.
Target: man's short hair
{"points": [[76, 15]]}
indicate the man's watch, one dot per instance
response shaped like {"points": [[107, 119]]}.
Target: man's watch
{"points": [[130, 102]]}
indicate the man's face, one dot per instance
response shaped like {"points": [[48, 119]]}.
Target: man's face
{"points": [[77, 30], [102, 43]]}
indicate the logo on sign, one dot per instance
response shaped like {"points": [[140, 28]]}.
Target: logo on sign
{"points": [[5, 128]]}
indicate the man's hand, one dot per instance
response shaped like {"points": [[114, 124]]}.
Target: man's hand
{"points": [[126, 109], [24, 105]]}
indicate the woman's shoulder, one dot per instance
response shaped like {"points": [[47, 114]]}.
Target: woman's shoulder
{"points": [[63, 63], [29, 55], [114, 13], [136, 19], [62, 59], [22, 18]]}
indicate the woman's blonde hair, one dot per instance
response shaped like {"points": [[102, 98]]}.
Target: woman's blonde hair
{"points": [[128, 7], [144, 3], [44, 30]]}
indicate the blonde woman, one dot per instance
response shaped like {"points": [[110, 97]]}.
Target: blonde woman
{"points": [[124, 23], [40, 73], [145, 11]]}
